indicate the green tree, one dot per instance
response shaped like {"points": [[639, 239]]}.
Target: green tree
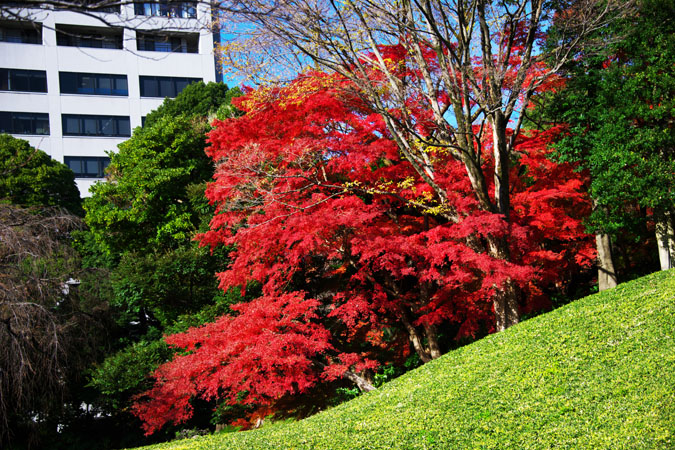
{"points": [[145, 205], [197, 99], [154, 198], [30, 177], [53, 307], [141, 223], [619, 103]]}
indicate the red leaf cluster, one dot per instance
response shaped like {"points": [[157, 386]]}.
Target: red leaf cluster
{"points": [[352, 248], [266, 351]]}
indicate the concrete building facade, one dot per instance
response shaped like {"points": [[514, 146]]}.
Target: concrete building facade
{"points": [[75, 85]]}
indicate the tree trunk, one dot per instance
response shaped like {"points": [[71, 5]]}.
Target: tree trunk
{"points": [[501, 155], [671, 240], [505, 304], [415, 339], [505, 300], [665, 239], [430, 331], [606, 273], [360, 382], [432, 339]]}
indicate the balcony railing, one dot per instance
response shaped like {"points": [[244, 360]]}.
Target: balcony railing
{"points": [[21, 32], [176, 43], [77, 36], [186, 10]]}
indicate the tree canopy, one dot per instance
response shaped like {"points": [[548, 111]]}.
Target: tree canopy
{"points": [[30, 177], [145, 203], [618, 105], [197, 99], [149, 202], [440, 74], [142, 221], [354, 256]]}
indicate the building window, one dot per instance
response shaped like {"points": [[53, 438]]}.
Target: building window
{"points": [[183, 43], [82, 125], [87, 166], [164, 86], [90, 37], [91, 5], [24, 123], [23, 80], [187, 10], [93, 84], [21, 33]]}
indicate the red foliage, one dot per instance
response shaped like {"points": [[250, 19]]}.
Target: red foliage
{"points": [[317, 201], [266, 352]]}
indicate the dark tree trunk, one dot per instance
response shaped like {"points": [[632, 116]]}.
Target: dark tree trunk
{"points": [[416, 339], [505, 300], [432, 339]]}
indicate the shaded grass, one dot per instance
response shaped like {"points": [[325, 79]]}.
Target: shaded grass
{"points": [[596, 374]]}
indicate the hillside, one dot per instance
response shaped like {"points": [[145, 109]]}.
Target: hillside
{"points": [[596, 374]]}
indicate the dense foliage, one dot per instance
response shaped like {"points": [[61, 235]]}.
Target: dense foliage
{"points": [[141, 224], [274, 255], [197, 99], [147, 213], [354, 262], [618, 104], [30, 177], [146, 204], [596, 373]]}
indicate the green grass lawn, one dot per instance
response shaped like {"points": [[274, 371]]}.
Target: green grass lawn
{"points": [[596, 374]]}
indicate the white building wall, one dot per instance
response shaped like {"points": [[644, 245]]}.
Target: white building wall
{"points": [[129, 61]]}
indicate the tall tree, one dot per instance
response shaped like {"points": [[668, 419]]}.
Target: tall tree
{"points": [[143, 219], [356, 268], [618, 103], [487, 65], [472, 65]]}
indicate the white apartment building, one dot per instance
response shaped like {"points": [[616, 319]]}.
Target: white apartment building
{"points": [[75, 85]]}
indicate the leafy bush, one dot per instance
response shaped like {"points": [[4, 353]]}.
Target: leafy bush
{"points": [[30, 177]]}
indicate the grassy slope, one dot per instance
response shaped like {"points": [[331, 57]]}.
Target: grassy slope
{"points": [[596, 374]]}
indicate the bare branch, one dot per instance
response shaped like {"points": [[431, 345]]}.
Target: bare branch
{"points": [[43, 333]]}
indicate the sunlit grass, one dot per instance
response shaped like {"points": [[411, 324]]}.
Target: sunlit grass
{"points": [[598, 373]]}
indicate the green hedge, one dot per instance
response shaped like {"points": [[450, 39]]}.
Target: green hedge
{"points": [[596, 374]]}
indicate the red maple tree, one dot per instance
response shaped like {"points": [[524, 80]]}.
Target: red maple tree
{"points": [[358, 262]]}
